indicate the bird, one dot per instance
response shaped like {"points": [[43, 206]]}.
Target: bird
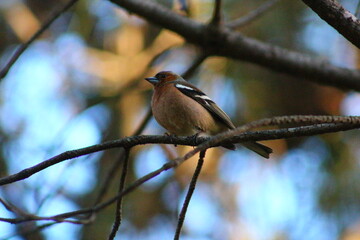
{"points": [[184, 110]]}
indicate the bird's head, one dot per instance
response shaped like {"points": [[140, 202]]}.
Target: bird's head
{"points": [[163, 77]]}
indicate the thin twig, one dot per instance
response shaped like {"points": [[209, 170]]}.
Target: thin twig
{"points": [[119, 200], [127, 190], [59, 188], [11, 208], [253, 15], [195, 64], [28, 232], [217, 14], [123, 155], [144, 123], [32, 217], [110, 176], [189, 195], [25, 45]]}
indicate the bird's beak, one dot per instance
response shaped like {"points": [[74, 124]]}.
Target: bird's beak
{"points": [[152, 80]]}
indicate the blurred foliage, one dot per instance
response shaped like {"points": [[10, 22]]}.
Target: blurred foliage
{"points": [[94, 59]]}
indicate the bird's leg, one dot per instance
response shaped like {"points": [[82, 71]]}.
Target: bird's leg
{"points": [[196, 135]]}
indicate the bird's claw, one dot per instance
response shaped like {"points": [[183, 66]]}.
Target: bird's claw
{"points": [[195, 138], [171, 135]]}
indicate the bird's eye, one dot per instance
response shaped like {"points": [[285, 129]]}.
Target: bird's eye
{"points": [[162, 76]]}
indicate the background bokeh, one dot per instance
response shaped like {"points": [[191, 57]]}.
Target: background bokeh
{"points": [[81, 83]]}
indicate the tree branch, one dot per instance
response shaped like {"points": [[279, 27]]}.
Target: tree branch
{"points": [[206, 143], [224, 42], [338, 123], [320, 122], [217, 14], [119, 200], [338, 17], [25, 45], [189, 194]]}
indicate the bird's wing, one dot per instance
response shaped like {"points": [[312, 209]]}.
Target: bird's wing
{"points": [[206, 102]]}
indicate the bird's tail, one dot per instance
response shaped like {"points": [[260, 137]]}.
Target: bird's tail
{"points": [[260, 149]]}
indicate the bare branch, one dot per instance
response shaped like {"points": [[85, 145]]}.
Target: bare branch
{"points": [[32, 217], [223, 42], [329, 121], [343, 124], [11, 208], [338, 17], [119, 200], [195, 64], [253, 136], [322, 124], [28, 232], [189, 195], [24, 216], [25, 45], [144, 123], [340, 123], [127, 190], [217, 14], [253, 15]]}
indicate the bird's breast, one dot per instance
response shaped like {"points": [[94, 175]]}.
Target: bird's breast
{"points": [[181, 115]]}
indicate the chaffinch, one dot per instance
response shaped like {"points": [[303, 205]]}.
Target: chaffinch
{"points": [[184, 110]]}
